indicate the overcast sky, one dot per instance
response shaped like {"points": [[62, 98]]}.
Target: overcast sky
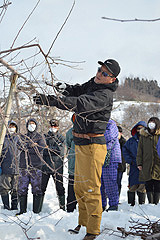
{"points": [[87, 37]]}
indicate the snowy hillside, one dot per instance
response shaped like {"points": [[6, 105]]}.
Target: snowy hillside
{"points": [[53, 224], [120, 106]]}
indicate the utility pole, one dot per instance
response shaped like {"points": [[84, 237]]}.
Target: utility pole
{"points": [[13, 79]]}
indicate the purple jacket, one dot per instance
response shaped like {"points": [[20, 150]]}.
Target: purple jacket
{"points": [[111, 136]]}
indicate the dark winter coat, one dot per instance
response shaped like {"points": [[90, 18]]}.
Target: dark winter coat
{"points": [[122, 166], [129, 152], [10, 155], [92, 104], [54, 154], [32, 146], [147, 156], [71, 151]]}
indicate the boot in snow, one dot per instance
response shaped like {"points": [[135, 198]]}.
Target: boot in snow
{"points": [[156, 197], [112, 208], [62, 202], [150, 197], [23, 204], [141, 197], [90, 236], [5, 200], [76, 230], [37, 203], [131, 198], [14, 202], [41, 202]]}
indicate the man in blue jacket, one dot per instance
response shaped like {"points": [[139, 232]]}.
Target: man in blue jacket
{"points": [[129, 151]]}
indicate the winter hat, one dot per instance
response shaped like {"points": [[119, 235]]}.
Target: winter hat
{"points": [[54, 123], [14, 123], [32, 120], [134, 129], [112, 66]]}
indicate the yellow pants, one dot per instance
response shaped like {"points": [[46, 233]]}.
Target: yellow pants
{"points": [[88, 169]]}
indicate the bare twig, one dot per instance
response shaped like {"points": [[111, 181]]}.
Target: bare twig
{"points": [[131, 20], [24, 24], [61, 29]]}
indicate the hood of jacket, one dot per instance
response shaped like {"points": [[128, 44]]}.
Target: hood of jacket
{"points": [[32, 120], [134, 129], [13, 122]]}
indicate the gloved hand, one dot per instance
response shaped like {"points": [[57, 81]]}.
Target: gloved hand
{"points": [[60, 87], [0, 170], [40, 99]]}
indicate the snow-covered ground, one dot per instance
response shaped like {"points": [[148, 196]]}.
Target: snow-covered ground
{"points": [[53, 224]]}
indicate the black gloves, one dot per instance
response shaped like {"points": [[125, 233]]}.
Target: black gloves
{"points": [[41, 99]]}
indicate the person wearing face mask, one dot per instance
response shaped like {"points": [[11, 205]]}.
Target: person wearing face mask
{"points": [[54, 157], [31, 161], [129, 151], [148, 159], [9, 162]]}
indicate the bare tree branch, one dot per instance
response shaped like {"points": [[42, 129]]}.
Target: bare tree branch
{"points": [[61, 29], [131, 20], [5, 5], [24, 23]]}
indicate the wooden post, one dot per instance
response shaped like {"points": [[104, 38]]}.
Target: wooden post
{"points": [[13, 80]]}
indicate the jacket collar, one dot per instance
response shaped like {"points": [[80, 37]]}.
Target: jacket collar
{"points": [[144, 132], [112, 86]]}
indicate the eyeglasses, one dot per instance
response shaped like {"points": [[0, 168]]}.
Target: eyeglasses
{"points": [[104, 73]]}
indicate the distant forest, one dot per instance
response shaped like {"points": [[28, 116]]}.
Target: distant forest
{"points": [[139, 89]]}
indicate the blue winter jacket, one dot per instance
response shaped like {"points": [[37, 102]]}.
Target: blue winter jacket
{"points": [[129, 151]]}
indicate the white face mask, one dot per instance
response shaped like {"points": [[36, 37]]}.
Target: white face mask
{"points": [[54, 130], [31, 127], [12, 130], [151, 125]]}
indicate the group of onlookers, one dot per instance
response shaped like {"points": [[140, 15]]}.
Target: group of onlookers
{"points": [[33, 158], [142, 153]]}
